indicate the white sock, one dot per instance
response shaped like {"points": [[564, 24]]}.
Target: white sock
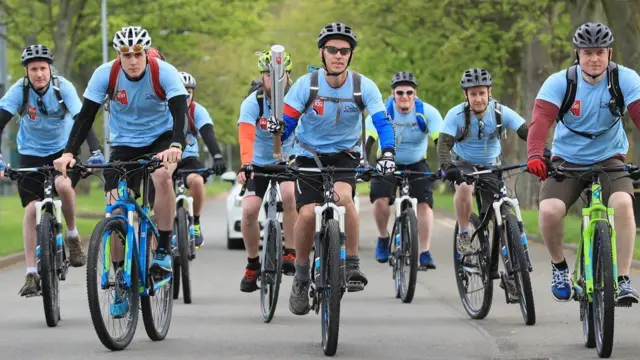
{"points": [[463, 230], [32, 270], [73, 233]]}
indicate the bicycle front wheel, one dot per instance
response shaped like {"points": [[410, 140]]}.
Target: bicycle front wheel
{"points": [[604, 290], [407, 259], [184, 251], [330, 298], [271, 272], [48, 273], [520, 268]]}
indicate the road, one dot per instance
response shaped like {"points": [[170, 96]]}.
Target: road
{"points": [[223, 323]]}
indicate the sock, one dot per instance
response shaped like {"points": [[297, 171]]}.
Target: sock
{"points": [[72, 233], [164, 242], [32, 270], [354, 260], [253, 263], [302, 271], [289, 251], [196, 220], [623, 278], [118, 264], [463, 230], [562, 265]]}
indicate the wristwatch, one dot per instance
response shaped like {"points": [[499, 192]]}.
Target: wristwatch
{"points": [[176, 145]]}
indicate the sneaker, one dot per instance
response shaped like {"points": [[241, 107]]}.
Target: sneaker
{"points": [[31, 285], [382, 250], [561, 284], [76, 254], [120, 306], [426, 261], [356, 280], [463, 243], [249, 281], [162, 262], [197, 232], [288, 262], [627, 294], [299, 297]]}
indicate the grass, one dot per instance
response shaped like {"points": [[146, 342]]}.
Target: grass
{"points": [[444, 201], [11, 214]]}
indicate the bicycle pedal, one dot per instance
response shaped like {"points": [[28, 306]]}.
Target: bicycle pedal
{"points": [[625, 302], [355, 286], [422, 268]]}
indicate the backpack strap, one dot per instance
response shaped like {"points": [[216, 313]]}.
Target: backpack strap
{"points": [[113, 78], [260, 99], [616, 105], [313, 90], [192, 118], [155, 79], [570, 93], [25, 95], [497, 109], [55, 84], [467, 122], [56, 90], [419, 105], [357, 92]]}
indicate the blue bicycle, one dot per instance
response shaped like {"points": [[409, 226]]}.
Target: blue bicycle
{"points": [[129, 281]]}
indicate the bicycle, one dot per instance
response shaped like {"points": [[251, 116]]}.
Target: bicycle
{"points": [[271, 265], [183, 241], [596, 259], [508, 241], [51, 258], [404, 250], [134, 286], [328, 273]]}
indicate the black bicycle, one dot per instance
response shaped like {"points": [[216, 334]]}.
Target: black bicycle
{"points": [[504, 239]]}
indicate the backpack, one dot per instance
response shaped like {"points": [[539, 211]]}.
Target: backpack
{"points": [[497, 108], [419, 105], [192, 118], [616, 104], [55, 84], [257, 85]]}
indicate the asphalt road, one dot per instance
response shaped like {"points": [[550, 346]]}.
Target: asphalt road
{"points": [[223, 323]]}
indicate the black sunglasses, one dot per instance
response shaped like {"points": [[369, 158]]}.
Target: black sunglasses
{"points": [[334, 50], [408, 92]]}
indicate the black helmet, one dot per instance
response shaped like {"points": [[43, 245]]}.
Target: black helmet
{"points": [[36, 52], [337, 31], [593, 35], [475, 77], [404, 77]]}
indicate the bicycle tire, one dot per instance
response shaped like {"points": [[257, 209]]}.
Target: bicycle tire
{"points": [[93, 285], [48, 273], [330, 299], [271, 271], [586, 307], [484, 257], [520, 266], [155, 332], [409, 240], [183, 249], [603, 263]]}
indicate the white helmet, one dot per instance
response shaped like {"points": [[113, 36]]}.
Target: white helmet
{"points": [[188, 80], [126, 39]]}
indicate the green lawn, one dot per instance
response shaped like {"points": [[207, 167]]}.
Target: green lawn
{"points": [[444, 201], [11, 214]]}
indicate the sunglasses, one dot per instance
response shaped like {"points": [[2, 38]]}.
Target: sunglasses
{"points": [[334, 50], [408, 92], [125, 49]]}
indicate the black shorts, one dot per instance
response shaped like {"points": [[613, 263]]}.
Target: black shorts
{"points": [[190, 163], [421, 189], [259, 184], [127, 153], [487, 186], [309, 187], [31, 186]]}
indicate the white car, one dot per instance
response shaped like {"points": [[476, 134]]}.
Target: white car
{"points": [[234, 213]]}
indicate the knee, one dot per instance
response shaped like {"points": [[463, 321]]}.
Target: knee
{"points": [[344, 198], [161, 180], [195, 181], [306, 213], [381, 204], [63, 186], [288, 200], [551, 210], [464, 191], [622, 204], [250, 210], [30, 210]]}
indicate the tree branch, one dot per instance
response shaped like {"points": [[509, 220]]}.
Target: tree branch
{"points": [[14, 44]]}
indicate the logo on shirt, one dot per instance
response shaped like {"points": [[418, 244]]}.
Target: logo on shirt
{"points": [[150, 96], [318, 107], [351, 108], [121, 97], [31, 110], [575, 108], [262, 123]]}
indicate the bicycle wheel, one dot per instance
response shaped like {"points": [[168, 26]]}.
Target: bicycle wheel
{"points": [[271, 272], [604, 291], [48, 273], [520, 268], [156, 317], [98, 260], [407, 260], [330, 298], [586, 307], [183, 248], [477, 266]]}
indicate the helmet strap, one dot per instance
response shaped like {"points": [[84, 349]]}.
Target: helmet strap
{"points": [[326, 70]]}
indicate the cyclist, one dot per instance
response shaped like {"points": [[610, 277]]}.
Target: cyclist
{"points": [[47, 105], [416, 122], [140, 124], [471, 136], [256, 150], [199, 123], [590, 134], [328, 135]]}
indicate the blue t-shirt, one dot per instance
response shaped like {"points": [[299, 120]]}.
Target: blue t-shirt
{"points": [[263, 143], [590, 114], [44, 128], [479, 147], [201, 118], [136, 116]]}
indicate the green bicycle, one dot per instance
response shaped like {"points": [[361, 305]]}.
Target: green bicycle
{"points": [[595, 275]]}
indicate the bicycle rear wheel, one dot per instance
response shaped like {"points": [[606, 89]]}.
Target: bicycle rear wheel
{"points": [[183, 249], [271, 272], [473, 266], [520, 268], [48, 273], [332, 292], [407, 260], [604, 290]]}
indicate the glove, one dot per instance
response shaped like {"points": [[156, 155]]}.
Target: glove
{"points": [[219, 167], [96, 158], [274, 125], [537, 167], [453, 174], [387, 163]]}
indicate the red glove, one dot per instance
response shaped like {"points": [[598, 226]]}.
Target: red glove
{"points": [[537, 167]]}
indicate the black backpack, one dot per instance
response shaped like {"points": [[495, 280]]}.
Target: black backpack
{"points": [[497, 108], [257, 85], [55, 84], [616, 104]]}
